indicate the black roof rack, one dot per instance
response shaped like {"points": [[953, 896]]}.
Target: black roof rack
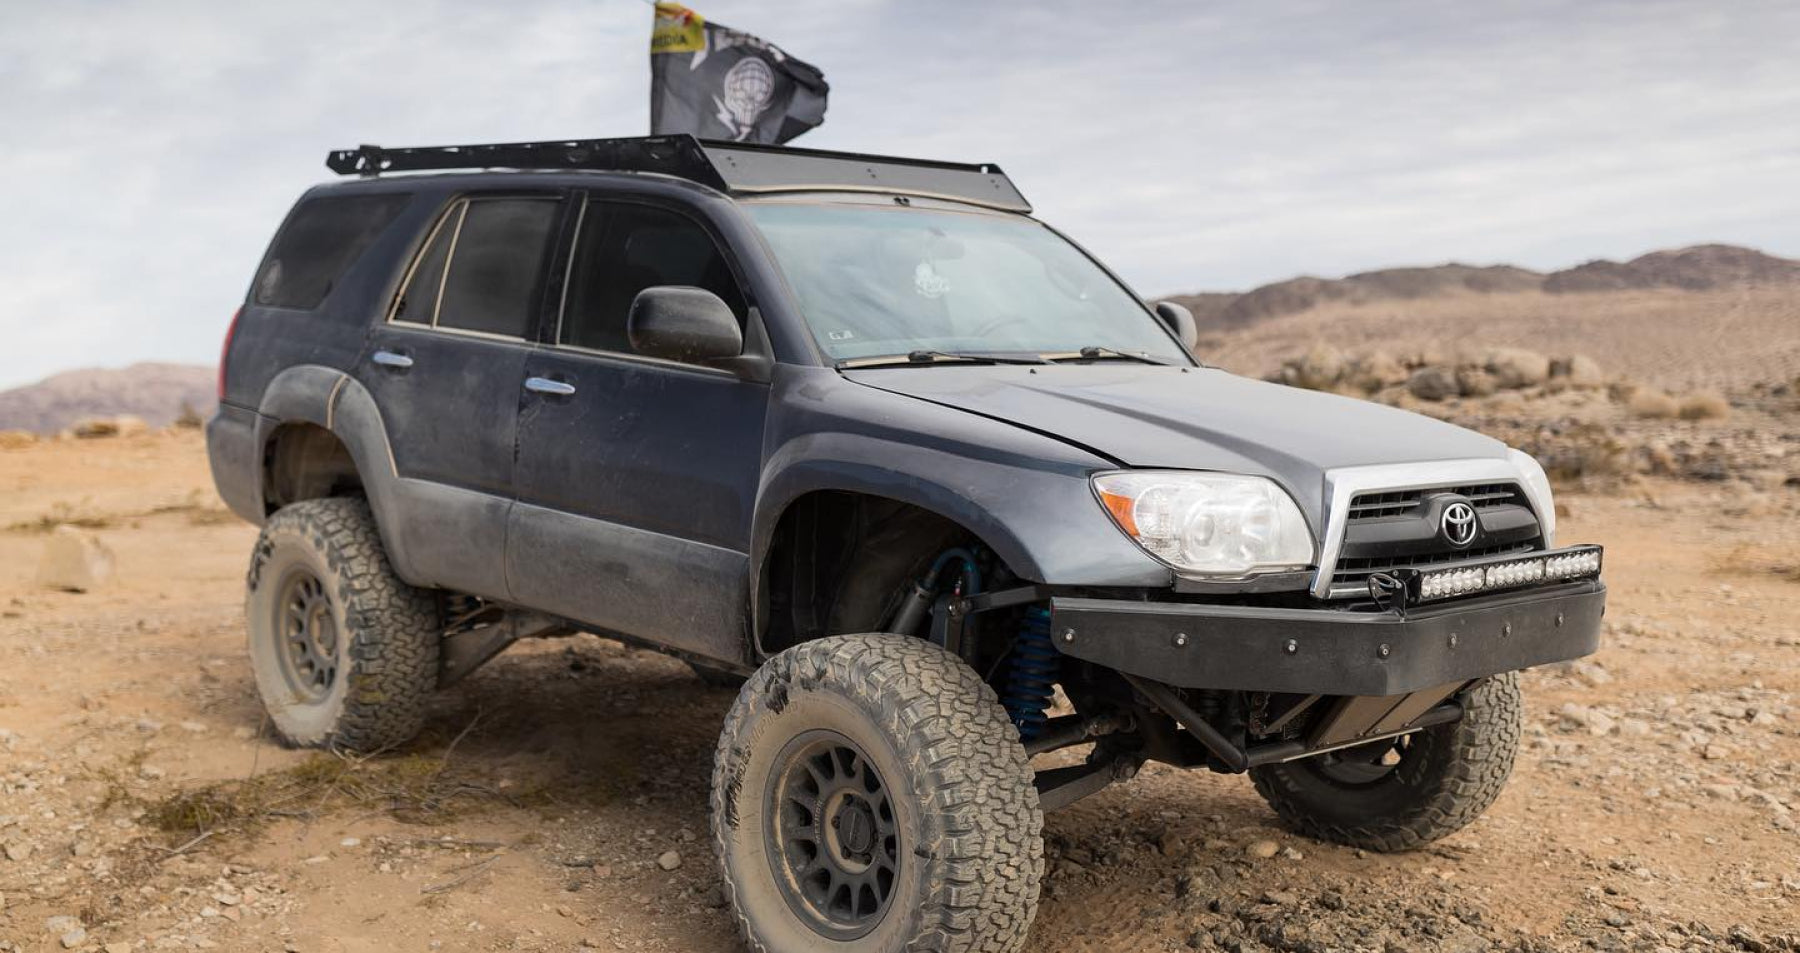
{"points": [[727, 166]]}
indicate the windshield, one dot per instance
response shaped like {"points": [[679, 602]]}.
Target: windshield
{"points": [[876, 281]]}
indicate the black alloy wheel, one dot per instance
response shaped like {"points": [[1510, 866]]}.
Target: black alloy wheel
{"points": [[832, 835]]}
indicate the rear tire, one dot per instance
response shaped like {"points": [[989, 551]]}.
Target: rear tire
{"points": [[870, 795], [1445, 777], [345, 654]]}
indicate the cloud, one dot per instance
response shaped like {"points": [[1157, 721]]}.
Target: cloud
{"points": [[153, 147]]}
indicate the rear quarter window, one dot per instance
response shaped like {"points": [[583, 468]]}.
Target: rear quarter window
{"points": [[319, 242]]}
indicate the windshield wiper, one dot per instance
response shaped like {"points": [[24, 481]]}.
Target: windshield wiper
{"points": [[937, 357], [1094, 353]]}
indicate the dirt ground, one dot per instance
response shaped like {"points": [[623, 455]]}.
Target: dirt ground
{"points": [[1653, 805]]}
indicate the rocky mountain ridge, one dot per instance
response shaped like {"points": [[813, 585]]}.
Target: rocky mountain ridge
{"points": [[1696, 268], [158, 393]]}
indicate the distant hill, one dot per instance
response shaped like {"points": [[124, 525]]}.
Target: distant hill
{"points": [[155, 392], [1699, 268]]}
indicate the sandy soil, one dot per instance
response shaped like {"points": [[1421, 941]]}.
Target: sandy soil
{"points": [[1652, 806]]}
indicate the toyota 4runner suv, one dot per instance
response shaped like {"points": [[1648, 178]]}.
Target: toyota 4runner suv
{"points": [[927, 478]]}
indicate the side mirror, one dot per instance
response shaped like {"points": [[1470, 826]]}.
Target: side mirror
{"points": [[678, 323], [1181, 321]]}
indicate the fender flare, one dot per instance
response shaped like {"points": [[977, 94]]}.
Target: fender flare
{"points": [[333, 400], [1039, 517]]}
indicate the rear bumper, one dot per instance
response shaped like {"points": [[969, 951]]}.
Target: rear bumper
{"points": [[1333, 651], [234, 455]]}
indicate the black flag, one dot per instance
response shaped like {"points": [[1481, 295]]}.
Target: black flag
{"points": [[718, 83]]}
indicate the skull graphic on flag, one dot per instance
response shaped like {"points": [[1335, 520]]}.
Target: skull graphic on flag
{"points": [[714, 82]]}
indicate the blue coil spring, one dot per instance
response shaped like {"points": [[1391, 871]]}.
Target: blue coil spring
{"points": [[1031, 679]]}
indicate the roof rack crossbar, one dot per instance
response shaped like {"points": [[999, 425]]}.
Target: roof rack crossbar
{"points": [[727, 166]]}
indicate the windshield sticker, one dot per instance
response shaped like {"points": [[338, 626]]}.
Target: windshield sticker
{"points": [[843, 335], [928, 283]]}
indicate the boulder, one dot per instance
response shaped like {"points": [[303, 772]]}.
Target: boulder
{"points": [[1432, 383], [1514, 368], [74, 561], [17, 439]]}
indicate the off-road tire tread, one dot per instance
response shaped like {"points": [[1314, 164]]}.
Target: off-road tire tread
{"points": [[1483, 744], [395, 629], [962, 752]]}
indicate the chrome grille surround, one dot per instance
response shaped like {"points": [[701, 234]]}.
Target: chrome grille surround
{"points": [[1344, 484]]}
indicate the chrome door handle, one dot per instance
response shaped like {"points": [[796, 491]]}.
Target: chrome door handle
{"points": [[391, 359], [544, 385]]}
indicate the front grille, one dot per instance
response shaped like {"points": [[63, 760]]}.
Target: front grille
{"points": [[1388, 530], [1372, 506], [1350, 578]]}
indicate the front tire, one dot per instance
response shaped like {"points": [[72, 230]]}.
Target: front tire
{"points": [[869, 794], [1403, 794], [344, 652]]}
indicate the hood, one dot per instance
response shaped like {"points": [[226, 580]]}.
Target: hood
{"points": [[1193, 419]]}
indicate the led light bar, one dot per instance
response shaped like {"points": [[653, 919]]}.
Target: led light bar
{"points": [[1493, 575]]}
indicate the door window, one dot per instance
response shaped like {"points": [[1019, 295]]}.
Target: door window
{"points": [[625, 248], [482, 268]]}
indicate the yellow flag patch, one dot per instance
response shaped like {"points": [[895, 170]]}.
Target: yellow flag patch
{"points": [[677, 30]]}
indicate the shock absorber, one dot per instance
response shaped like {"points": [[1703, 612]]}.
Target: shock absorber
{"points": [[1031, 678]]}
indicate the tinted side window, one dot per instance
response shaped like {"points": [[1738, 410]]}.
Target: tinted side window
{"points": [[418, 301], [624, 249], [496, 266], [322, 238]]}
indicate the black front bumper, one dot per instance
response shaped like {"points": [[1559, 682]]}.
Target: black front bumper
{"points": [[1333, 651]]}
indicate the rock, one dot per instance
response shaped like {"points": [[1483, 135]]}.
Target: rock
{"points": [[1515, 368], [117, 948], [1432, 383], [1475, 382], [73, 938], [17, 439], [74, 561], [17, 851], [1263, 849], [669, 860], [350, 842], [1590, 672], [61, 924]]}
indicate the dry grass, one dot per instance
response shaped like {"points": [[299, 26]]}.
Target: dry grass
{"points": [[64, 514], [1755, 559], [201, 508]]}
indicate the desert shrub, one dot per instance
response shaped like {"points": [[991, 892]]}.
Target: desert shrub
{"points": [[1703, 405], [1653, 405]]}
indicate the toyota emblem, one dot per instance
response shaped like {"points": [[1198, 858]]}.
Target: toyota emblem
{"points": [[1459, 524]]}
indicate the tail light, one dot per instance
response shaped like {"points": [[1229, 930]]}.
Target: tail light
{"points": [[225, 348]]}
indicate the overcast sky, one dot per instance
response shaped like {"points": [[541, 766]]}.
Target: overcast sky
{"points": [[149, 149]]}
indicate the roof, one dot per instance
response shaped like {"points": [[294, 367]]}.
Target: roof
{"points": [[733, 167]]}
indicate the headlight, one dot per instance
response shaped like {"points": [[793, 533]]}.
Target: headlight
{"points": [[1537, 486], [1211, 524]]}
